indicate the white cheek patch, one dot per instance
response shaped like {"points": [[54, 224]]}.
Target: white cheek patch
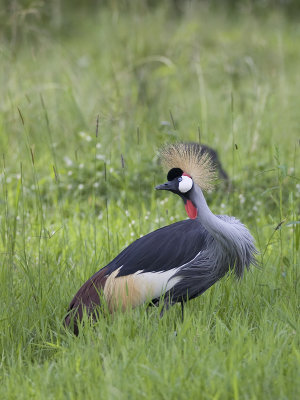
{"points": [[186, 184]]}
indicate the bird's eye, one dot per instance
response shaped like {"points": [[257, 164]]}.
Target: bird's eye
{"points": [[180, 179]]}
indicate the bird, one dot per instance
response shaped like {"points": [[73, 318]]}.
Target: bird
{"points": [[177, 262]]}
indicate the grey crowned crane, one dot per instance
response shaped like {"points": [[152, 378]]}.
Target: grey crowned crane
{"points": [[179, 261]]}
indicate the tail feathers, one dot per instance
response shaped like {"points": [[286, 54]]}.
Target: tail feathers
{"points": [[86, 300]]}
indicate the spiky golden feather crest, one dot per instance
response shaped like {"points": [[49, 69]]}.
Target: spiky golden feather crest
{"points": [[192, 159]]}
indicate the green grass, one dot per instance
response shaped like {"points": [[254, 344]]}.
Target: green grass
{"points": [[69, 204]]}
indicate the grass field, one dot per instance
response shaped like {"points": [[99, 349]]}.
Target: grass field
{"points": [[74, 192]]}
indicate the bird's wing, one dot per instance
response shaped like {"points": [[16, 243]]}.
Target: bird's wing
{"points": [[155, 258], [164, 249]]}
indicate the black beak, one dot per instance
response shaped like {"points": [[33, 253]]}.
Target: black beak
{"points": [[170, 185]]}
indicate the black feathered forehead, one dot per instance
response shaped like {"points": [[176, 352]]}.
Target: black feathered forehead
{"points": [[174, 173]]}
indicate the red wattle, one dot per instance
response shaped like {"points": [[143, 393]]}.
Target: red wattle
{"points": [[190, 209]]}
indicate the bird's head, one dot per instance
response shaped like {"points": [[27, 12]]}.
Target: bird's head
{"points": [[188, 166], [182, 184]]}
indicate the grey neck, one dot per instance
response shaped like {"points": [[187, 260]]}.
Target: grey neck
{"points": [[219, 229], [235, 240]]}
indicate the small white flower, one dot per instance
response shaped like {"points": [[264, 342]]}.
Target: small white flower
{"points": [[222, 205], [133, 222], [70, 173], [127, 213], [242, 198], [172, 218], [98, 146], [146, 217], [88, 138], [83, 61], [100, 157], [81, 165], [80, 186], [68, 161], [96, 184], [100, 216], [8, 179], [132, 234], [69, 187]]}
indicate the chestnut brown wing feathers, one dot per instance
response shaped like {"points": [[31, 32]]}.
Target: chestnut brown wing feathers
{"points": [[87, 298]]}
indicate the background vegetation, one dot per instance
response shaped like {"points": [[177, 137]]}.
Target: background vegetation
{"points": [[89, 92]]}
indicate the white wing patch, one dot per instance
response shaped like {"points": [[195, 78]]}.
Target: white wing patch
{"points": [[133, 290], [156, 283]]}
